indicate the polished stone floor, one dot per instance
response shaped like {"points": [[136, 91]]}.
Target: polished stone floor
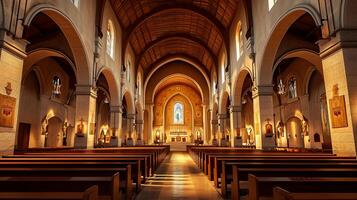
{"points": [[178, 178]]}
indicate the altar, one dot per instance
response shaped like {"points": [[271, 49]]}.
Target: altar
{"points": [[178, 136]]}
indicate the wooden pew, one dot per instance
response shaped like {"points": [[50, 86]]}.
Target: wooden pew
{"points": [[282, 194], [159, 153], [214, 166], [89, 194], [240, 175], [263, 186], [278, 165], [145, 160], [108, 187], [138, 164], [126, 169]]}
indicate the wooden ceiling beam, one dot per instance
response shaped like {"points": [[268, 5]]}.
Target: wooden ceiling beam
{"points": [[127, 33], [183, 36]]}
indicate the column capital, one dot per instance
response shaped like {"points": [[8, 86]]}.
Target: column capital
{"points": [[262, 90], [222, 116], [139, 121], [116, 109], [130, 116], [235, 109], [86, 90], [15, 46]]}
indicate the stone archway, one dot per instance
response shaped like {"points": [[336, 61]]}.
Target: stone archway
{"points": [[72, 35], [280, 29]]}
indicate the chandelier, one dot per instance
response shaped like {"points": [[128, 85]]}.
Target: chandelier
{"points": [[56, 86], [281, 87]]}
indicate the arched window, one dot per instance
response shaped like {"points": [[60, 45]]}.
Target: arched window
{"points": [[271, 3], [178, 113], [110, 39], [292, 88], [239, 40]]}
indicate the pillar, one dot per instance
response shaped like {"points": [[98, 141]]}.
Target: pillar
{"points": [[130, 125], [214, 127], [340, 75], [115, 117], [236, 117], [263, 115], [85, 116], [209, 127], [204, 121], [222, 123], [12, 54], [150, 110], [139, 130]]}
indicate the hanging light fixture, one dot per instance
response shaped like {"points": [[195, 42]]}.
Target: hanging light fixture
{"points": [[281, 87], [56, 89]]}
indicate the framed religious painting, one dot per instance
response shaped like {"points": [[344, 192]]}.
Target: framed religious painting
{"points": [[7, 111], [338, 112]]}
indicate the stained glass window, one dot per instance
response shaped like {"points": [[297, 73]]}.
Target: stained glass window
{"points": [[178, 113]]}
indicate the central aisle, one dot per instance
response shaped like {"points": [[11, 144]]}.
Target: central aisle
{"points": [[178, 178]]}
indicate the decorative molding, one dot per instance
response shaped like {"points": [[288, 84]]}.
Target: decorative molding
{"points": [[235, 109], [262, 90], [86, 90]]}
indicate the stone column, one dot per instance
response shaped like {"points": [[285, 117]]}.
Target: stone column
{"points": [[115, 113], [340, 75], [12, 54], [85, 115], [209, 127], [139, 131], [130, 125], [204, 121], [222, 126], [150, 109], [236, 117], [214, 125], [263, 114]]}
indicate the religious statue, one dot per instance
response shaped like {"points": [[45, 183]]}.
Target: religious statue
{"points": [[44, 129], [64, 133], [280, 129], [44, 126], [305, 127]]}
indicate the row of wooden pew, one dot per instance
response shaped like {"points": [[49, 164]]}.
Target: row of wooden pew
{"points": [[115, 173], [277, 175]]}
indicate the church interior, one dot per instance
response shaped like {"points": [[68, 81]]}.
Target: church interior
{"points": [[178, 99]]}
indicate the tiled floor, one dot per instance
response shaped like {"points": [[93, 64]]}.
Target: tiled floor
{"points": [[178, 178]]}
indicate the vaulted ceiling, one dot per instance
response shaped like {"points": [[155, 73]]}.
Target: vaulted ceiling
{"points": [[159, 28]]}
